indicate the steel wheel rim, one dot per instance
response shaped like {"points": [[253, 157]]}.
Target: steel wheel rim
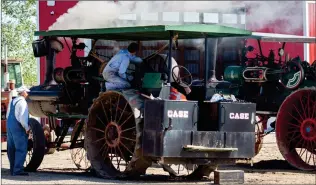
{"points": [[297, 113], [30, 145], [116, 115], [183, 169], [81, 162]]}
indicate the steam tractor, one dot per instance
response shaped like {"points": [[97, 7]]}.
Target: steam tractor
{"points": [[125, 131], [284, 88]]}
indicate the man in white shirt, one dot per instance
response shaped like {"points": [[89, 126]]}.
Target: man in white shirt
{"points": [[115, 71], [17, 131]]}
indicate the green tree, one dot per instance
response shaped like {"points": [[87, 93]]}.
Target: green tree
{"points": [[18, 26]]}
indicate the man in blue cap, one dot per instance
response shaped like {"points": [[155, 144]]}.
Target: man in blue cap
{"points": [[115, 71], [17, 131]]}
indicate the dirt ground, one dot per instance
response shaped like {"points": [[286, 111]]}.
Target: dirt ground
{"points": [[269, 167]]}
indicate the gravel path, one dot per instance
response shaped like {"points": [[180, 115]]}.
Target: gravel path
{"points": [[269, 168]]}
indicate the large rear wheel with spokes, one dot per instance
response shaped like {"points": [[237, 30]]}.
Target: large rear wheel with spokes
{"points": [[296, 129], [36, 146], [113, 137]]}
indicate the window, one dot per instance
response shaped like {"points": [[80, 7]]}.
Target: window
{"points": [[191, 17], [127, 17], [171, 16], [149, 16], [211, 18], [230, 18], [14, 74]]}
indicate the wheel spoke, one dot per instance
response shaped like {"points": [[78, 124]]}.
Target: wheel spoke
{"points": [[117, 156], [121, 152], [101, 149], [129, 139], [122, 112], [128, 129], [294, 118], [100, 120], [111, 151], [303, 107], [303, 152], [98, 130], [132, 114], [103, 138], [298, 112], [314, 110], [111, 108], [293, 131], [314, 160], [105, 152], [293, 138], [117, 105], [126, 148], [308, 100], [107, 119]]}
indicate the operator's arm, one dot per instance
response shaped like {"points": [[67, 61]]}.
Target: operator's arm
{"points": [[135, 59], [123, 67], [22, 114]]}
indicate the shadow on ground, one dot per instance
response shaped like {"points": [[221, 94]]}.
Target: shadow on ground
{"points": [[267, 166], [53, 174]]}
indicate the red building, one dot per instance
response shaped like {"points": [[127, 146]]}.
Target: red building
{"points": [[49, 11]]}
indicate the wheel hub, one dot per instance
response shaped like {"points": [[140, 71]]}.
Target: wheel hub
{"points": [[113, 134], [308, 129]]}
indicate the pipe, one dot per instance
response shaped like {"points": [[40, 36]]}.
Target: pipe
{"points": [[170, 56], [211, 60], [206, 61]]}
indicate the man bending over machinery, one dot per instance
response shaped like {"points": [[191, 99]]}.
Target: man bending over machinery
{"points": [[115, 71]]}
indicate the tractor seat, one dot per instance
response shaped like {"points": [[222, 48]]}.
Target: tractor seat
{"points": [[152, 83]]}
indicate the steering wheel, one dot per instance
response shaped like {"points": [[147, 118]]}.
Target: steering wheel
{"points": [[178, 79], [292, 76]]}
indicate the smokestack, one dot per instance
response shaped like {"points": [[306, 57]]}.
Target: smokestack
{"points": [[212, 59]]}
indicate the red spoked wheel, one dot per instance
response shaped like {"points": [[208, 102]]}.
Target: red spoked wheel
{"points": [[296, 129], [259, 129]]}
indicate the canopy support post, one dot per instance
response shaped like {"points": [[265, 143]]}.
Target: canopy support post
{"points": [[170, 56], [206, 62]]}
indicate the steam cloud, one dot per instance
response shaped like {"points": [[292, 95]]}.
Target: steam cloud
{"points": [[102, 14]]}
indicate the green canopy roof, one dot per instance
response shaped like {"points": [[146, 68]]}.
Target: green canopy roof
{"points": [[156, 32]]}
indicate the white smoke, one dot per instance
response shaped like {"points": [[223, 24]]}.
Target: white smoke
{"points": [[102, 14], [263, 14]]}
